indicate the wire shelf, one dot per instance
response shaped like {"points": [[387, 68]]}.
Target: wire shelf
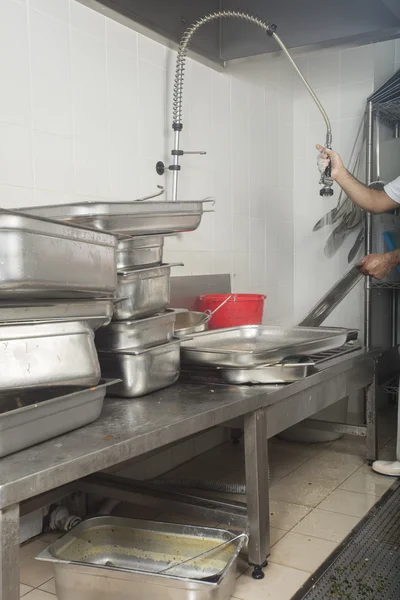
{"points": [[385, 285]]}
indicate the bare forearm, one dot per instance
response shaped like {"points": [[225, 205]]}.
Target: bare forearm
{"points": [[361, 195], [371, 200], [394, 257]]}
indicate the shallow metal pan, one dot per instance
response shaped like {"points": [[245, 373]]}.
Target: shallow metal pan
{"points": [[140, 251], [143, 292], [270, 374], [140, 334], [128, 218], [129, 554], [141, 371], [47, 355], [95, 312], [45, 259], [256, 345], [30, 417]]}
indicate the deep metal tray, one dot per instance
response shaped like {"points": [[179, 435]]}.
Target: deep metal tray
{"points": [[140, 251], [137, 335], [141, 371], [47, 355], [128, 218], [95, 312], [256, 345], [143, 292], [45, 259], [129, 554], [28, 418]]}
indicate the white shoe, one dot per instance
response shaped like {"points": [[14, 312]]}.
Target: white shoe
{"points": [[387, 467]]}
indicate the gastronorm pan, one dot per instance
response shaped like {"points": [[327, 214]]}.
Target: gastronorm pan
{"points": [[110, 558], [141, 371], [128, 218], [47, 354], [95, 312], [143, 292], [140, 251], [30, 417], [255, 345], [140, 334], [45, 259]]}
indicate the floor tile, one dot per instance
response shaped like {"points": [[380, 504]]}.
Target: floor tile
{"points": [[285, 515], [348, 503], [24, 589], [32, 549], [301, 551], [326, 525], [50, 537], [350, 444], [279, 583], [34, 572], [39, 595], [49, 587], [366, 481]]}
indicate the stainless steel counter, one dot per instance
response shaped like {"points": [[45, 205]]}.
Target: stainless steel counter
{"points": [[129, 428]]}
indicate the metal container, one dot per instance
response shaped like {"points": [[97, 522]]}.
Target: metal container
{"points": [[142, 292], [137, 335], [270, 374], [256, 345], [189, 322], [109, 558], [47, 355], [30, 417], [128, 218], [141, 371], [45, 259], [95, 313], [140, 251], [333, 298]]}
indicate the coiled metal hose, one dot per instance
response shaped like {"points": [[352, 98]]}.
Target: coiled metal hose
{"points": [[231, 14]]}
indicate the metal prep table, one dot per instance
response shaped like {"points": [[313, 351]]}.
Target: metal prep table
{"points": [[130, 428]]}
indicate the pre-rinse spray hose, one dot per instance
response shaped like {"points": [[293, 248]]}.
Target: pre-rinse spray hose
{"points": [[269, 29]]}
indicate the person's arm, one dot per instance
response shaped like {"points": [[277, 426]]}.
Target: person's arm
{"points": [[379, 265], [373, 201]]}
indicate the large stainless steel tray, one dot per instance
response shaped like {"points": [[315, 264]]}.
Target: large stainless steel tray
{"points": [[141, 371], [254, 345], [129, 554], [143, 292], [333, 298], [270, 374], [28, 418], [137, 335], [95, 312], [140, 251], [128, 218], [45, 259], [47, 354]]}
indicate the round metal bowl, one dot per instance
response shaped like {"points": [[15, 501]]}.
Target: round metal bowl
{"points": [[189, 322]]}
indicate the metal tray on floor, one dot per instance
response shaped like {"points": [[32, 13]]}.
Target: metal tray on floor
{"points": [[40, 258], [95, 312], [256, 345], [141, 371], [128, 218], [30, 417], [137, 335], [131, 556], [47, 354]]}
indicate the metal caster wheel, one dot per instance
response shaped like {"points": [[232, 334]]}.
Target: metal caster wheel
{"points": [[258, 572]]}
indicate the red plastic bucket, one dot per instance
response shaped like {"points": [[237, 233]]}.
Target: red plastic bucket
{"points": [[233, 309]]}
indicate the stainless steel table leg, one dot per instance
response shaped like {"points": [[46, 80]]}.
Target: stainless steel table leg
{"points": [[371, 422], [257, 492], [9, 557], [398, 424]]}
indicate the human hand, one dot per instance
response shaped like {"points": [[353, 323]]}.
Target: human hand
{"points": [[334, 157], [376, 265]]}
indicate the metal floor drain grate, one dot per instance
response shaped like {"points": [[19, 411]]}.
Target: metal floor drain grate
{"points": [[367, 564]]}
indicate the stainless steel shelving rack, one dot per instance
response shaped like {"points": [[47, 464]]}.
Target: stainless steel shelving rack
{"points": [[383, 107]]}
